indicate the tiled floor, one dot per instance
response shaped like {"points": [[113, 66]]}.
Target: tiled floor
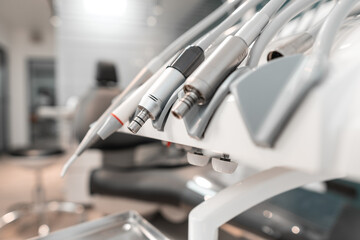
{"points": [[17, 186]]}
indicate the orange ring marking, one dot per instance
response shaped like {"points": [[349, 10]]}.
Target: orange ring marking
{"points": [[117, 119]]}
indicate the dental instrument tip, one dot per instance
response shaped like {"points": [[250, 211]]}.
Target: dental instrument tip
{"points": [[139, 121], [184, 105], [68, 164], [111, 125]]}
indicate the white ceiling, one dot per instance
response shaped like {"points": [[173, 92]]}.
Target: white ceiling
{"points": [[25, 13]]}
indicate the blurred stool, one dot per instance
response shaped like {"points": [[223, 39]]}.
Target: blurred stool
{"points": [[37, 160]]}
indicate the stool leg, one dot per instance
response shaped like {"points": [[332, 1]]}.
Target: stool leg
{"points": [[39, 193], [40, 208], [40, 204]]}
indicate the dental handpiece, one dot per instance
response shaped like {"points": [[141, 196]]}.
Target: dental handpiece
{"points": [[202, 84], [175, 74], [126, 109], [91, 136]]}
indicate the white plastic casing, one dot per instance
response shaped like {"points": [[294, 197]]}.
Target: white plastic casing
{"points": [[222, 166], [197, 159], [158, 94]]}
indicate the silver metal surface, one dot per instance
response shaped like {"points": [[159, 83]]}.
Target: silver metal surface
{"points": [[39, 210], [197, 120], [139, 121], [203, 83], [125, 226], [298, 43], [182, 107], [209, 75]]}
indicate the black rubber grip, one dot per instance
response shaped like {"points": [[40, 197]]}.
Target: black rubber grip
{"points": [[188, 60]]}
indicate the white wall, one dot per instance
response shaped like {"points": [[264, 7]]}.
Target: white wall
{"points": [[83, 39], [20, 50], [4, 36], [125, 37], [3, 45]]}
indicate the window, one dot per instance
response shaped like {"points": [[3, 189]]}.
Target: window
{"points": [[41, 92]]}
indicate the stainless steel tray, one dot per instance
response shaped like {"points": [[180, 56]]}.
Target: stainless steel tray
{"points": [[125, 226]]}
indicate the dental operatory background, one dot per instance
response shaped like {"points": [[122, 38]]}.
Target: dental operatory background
{"points": [[169, 119]]}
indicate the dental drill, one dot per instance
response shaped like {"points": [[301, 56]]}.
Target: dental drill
{"points": [[91, 136], [127, 108], [123, 112], [176, 73], [202, 84]]}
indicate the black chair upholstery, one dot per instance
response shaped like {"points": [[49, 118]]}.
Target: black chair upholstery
{"points": [[159, 185], [35, 152]]}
